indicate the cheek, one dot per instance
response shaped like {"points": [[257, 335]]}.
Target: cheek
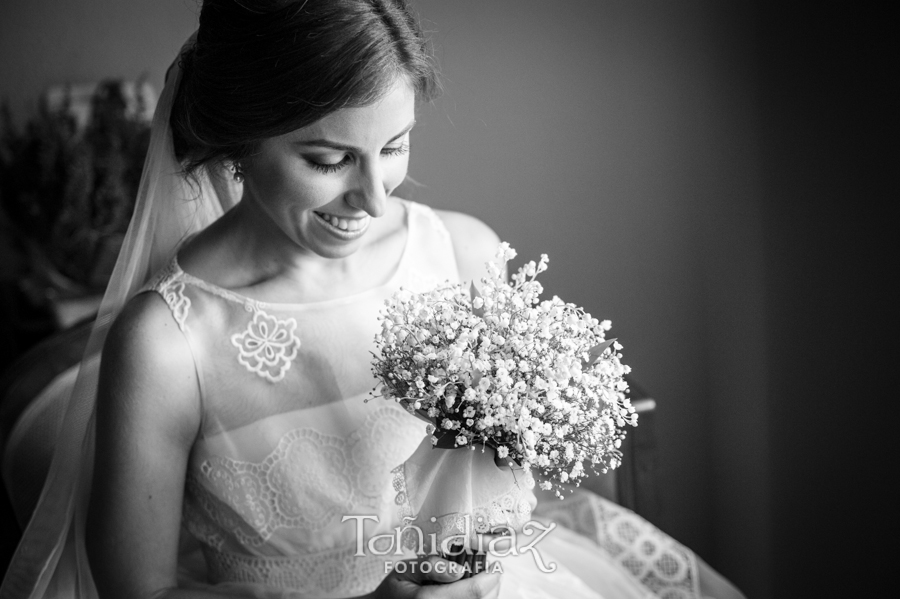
{"points": [[288, 190], [395, 173]]}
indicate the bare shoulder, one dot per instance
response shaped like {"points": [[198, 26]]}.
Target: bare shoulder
{"points": [[474, 243], [147, 369]]}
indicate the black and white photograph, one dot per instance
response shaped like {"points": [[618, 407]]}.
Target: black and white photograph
{"points": [[437, 299]]}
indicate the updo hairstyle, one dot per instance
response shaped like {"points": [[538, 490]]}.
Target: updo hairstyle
{"points": [[262, 68]]}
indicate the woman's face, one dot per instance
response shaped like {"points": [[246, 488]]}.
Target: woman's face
{"points": [[322, 185]]}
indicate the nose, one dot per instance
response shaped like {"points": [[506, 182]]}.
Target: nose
{"points": [[369, 193]]}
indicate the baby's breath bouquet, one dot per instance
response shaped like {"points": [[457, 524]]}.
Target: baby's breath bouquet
{"points": [[493, 366]]}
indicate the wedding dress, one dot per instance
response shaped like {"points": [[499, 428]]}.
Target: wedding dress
{"points": [[290, 448]]}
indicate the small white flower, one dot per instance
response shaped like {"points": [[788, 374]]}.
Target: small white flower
{"points": [[528, 437]]}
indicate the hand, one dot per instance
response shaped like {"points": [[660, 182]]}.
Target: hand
{"points": [[412, 583]]}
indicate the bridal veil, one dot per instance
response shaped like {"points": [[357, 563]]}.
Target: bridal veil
{"points": [[51, 561]]}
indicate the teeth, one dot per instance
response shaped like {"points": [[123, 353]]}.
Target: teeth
{"points": [[344, 224]]}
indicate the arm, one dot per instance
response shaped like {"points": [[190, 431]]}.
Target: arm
{"points": [[474, 243], [148, 415]]}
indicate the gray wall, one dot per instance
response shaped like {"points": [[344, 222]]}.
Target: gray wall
{"points": [[49, 42], [619, 137]]}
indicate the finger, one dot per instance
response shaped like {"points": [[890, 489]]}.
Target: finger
{"points": [[439, 570], [500, 544], [480, 586]]}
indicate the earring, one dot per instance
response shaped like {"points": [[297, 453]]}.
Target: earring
{"points": [[238, 173]]}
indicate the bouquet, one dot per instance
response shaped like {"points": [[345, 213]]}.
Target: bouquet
{"points": [[493, 366]]}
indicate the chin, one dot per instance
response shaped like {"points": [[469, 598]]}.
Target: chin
{"points": [[336, 253], [327, 241], [332, 250]]}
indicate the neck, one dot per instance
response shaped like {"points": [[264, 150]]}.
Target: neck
{"points": [[245, 249], [260, 251]]}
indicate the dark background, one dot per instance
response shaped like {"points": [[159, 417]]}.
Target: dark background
{"points": [[714, 177], [829, 107]]}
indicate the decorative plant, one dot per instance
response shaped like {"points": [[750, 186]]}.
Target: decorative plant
{"points": [[70, 190]]}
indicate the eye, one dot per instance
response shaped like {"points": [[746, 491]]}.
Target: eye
{"points": [[329, 167], [396, 150]]}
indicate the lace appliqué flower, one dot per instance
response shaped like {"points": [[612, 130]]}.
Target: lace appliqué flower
{"points": [[268, 346]]}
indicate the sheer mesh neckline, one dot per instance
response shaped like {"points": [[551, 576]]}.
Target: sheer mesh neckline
{"points": [[234, 296], [287, 420]]}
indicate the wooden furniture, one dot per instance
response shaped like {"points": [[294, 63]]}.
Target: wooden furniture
{"points": [[636, 477]]}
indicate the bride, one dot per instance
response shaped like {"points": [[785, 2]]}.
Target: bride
{"points": [[221, 446]]}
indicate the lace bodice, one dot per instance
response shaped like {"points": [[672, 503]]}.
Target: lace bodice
{"points": [[289, 446]]}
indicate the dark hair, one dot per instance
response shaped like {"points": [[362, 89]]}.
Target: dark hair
{"points": [[262, 68]]}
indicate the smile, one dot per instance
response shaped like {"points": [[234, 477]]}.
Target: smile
{"points": [[345, 227]]}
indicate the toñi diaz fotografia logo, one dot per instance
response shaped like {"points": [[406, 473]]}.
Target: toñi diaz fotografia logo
{"points": [[498, 543]]}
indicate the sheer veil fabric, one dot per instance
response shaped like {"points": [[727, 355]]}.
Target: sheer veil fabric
{"points": [[51, 561]]}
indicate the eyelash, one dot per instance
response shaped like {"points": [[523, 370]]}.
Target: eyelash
{"points": [[333, 168]]}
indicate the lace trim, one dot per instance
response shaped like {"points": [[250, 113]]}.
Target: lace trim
{"points": [[512, 509], [658, 561], [302, 484], [192, 516], [336, 572], [170, 286], [268, 346], [308, 482]]}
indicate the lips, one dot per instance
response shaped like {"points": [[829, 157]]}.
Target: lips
{"points": [[343, 226]]}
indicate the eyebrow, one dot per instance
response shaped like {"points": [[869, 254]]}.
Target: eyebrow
{"points": [[327, 143]]}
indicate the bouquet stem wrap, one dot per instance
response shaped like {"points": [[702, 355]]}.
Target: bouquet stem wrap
{"points": [[451, 497]]}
